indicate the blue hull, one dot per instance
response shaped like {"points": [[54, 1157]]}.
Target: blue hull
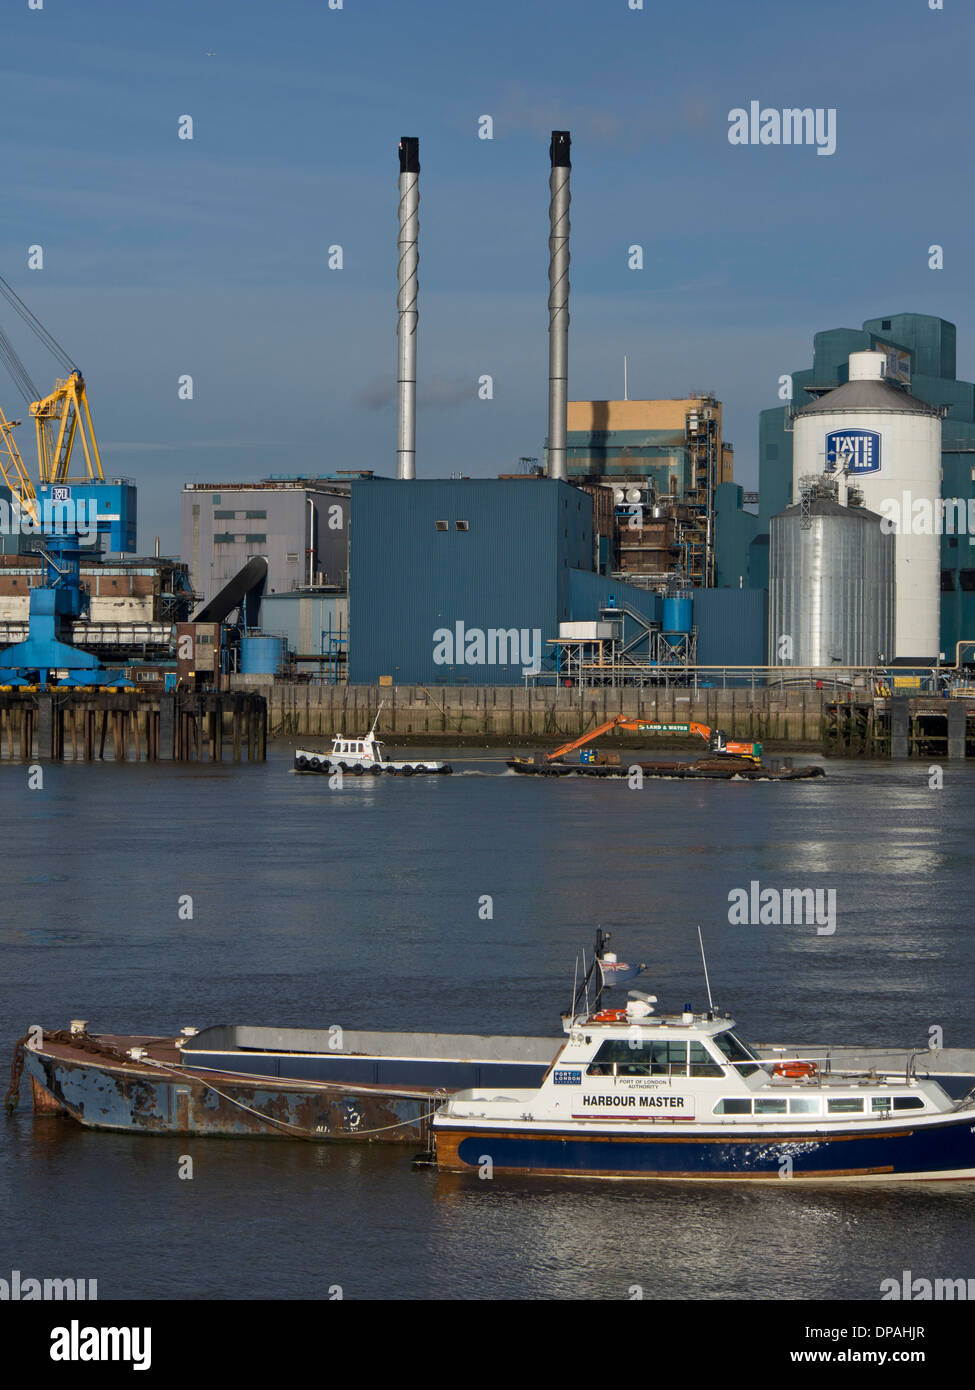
{"points": [[942, 1150]]}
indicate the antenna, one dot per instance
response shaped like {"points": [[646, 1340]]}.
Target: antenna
{"points": [[705, 964], [625, 396]]}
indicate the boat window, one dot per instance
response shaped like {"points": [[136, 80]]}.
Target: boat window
{"points": [[733, 1105], [804, 1105], [735, 1051], [702, 1063], [639, 1057], [844, 1105], [908, 1102], [771, 1106]]}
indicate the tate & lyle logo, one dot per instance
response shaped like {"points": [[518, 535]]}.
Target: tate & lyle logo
{"points": [[856, 451], [493, 646]]}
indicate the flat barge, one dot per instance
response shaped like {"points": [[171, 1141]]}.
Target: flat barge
{"points": [[724, 769], [319, 1085]]}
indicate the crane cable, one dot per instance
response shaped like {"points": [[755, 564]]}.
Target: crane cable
{"points": [[35, 325]]}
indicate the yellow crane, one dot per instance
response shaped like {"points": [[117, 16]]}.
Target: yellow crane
{"points": [[14, 471], [61, 418], [65, 411]]}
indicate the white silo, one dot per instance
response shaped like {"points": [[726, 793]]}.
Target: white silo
{"points": [[877, 437]]}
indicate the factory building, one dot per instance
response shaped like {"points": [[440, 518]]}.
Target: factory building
{"points": [[301, 526], [663, 461], [473, 581], [919, 353]]}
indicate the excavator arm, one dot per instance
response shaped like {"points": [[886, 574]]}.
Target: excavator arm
{"points": [[715, 739]]}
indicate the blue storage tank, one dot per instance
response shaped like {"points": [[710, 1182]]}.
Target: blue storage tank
{"points": [[261, 655], [676, 615]]}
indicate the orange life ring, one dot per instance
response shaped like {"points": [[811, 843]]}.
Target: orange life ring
{"points": [[795, 1070], [609, 1016]]}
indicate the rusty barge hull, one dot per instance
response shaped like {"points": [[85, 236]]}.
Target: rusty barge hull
{"points": [[704, 769], [106, 1094]]}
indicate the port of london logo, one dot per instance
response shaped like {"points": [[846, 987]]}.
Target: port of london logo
{"points": [[855, 451]]}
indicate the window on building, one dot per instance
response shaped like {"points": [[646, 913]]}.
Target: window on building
{"points": [[224, 516], [255, 516], [947, 581], [292, 557], [967, 580], [885, 324], [215, 499], [463, 525], [441, 525], [256, 540], [224, 538]]}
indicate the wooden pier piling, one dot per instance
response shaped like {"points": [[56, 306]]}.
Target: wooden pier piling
{"points": [[89, 726]]}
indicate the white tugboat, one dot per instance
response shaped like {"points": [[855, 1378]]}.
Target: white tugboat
{"points": [[365, 755], [634, 1095]]}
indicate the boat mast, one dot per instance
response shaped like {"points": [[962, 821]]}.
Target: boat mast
{"points": [[376, 720], [705, 964]]}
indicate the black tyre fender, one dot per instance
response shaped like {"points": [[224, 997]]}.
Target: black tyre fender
{"points": [[357, 770], [446, 769], [375, 772], [407, 771], [419, 768], [301, 763]]}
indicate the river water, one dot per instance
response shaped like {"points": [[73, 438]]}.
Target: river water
{"points": [[366, 907]]}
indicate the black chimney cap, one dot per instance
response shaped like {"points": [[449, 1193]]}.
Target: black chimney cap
{"points": [[559, 149], [409, 155]]}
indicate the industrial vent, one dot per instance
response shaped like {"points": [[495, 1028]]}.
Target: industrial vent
{"points": [[441, 525], [463, 525]]}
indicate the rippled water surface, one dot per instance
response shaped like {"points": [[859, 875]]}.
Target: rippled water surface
{"points": [[361, 908]]}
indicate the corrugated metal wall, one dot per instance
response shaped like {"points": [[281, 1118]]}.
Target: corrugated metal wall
{"points": [[731, 626], [428, 603]]}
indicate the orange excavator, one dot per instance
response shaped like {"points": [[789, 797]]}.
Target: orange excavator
{"points": [[727, 759], [718, 743]]}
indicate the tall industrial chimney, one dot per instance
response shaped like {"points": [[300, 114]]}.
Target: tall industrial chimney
{"points": [[558, 301], [409, 227]]}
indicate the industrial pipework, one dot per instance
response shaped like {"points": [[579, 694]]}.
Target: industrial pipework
{"points": [[409, 226], [558, 301]]}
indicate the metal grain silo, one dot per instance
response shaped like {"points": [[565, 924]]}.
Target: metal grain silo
{"points": [[879, 438], [831, 585]]}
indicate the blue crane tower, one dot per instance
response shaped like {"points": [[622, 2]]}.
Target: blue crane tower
{"points": [[66, 507]]}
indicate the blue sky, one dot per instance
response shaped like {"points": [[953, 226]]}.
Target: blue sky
{"points": [[209, 257]]}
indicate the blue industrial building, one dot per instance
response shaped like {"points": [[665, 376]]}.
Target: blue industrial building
{"points": [[466, 581], [921, 355]]}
